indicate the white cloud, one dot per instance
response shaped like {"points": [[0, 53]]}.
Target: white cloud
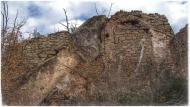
{"points": [[51, 12], [175, 11], [58, 27]]}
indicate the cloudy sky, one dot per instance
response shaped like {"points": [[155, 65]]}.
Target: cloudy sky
{"points": [[46, 15]]}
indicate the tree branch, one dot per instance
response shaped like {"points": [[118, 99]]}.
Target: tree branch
{"points": [[96, 9], [66, 18], [110, 10], [63, 24]]}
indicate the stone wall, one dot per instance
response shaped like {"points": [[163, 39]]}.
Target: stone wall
{"points": [[38, 50], [32, 55], [124, 60], [134, 46]]}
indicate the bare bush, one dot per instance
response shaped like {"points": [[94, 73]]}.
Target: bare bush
{"points": [[11, 36], [70, 27], [103, 10]]}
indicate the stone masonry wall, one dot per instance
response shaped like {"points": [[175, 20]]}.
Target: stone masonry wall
{"points": [[33, 54], [39, 50], [124, 60]]}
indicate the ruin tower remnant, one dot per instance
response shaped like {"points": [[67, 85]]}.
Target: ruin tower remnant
{"points": [[123, 60], [136, 48]]}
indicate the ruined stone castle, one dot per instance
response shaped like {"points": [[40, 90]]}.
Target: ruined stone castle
{"points": [[132, 58]]}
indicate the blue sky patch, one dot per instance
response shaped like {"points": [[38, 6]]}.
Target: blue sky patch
{"points": [[34, 10], [83, 17]]}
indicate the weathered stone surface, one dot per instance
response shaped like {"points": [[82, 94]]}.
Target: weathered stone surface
{"points": [[87, 37], [32, 58], [179, 48], [39, 85], [41, 49], [133, 51]]}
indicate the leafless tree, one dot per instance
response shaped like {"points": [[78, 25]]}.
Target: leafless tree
{"points": [[110, 10], [5, 19], [66, 19], [96, 9], [10, 34], [71, 27], [103, 10], [36, 34]]}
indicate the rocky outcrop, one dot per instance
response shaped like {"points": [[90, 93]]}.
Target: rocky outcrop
{"points": [[43, 77], [124, 60], [87, 37], [40, 85], [179, 49], [32, 55]]}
